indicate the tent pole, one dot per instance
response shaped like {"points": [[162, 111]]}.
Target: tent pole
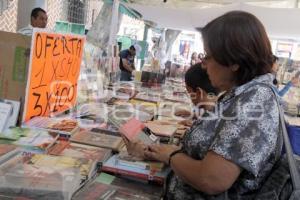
{"points": [[114, 22], [146, 29]]}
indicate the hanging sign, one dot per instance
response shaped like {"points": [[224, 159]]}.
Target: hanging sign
{"points": [[53, 73]]}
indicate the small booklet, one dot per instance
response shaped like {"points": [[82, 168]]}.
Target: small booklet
{"points": [[13, 112]]}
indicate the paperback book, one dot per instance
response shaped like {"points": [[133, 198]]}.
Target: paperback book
{"points": [[160, 128], [33, 139], [40, 177], [112, 165], [96, 190], [65, 127], [65, 148], [135, 130], [98, 140]]}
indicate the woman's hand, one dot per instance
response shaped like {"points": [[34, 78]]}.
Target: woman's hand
{"points": [[187, 122], [135, 148], [183, 113], [160, 152], [295, 81]]}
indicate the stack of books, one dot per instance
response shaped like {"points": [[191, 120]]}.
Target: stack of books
{"points": [[38, 176], [29, 139]]}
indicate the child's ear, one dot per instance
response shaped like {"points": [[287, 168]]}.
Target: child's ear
{"points": [[199, 92], [234, 68]]}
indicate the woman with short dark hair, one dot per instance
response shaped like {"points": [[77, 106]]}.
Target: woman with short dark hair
{"points": [[229, 156]]}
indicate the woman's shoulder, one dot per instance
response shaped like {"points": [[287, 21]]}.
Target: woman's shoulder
{"points": [[257, 92]]}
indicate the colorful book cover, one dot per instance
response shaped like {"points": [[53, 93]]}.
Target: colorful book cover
{"points": [[65, 148], [27, 137], [134, 130], [6, 148], [34, 138], [87, 167], [14, 133], [135, 162], [112, 165], [98, 140], [39, 177], [63, 126], [130, 183], [96, 190]]}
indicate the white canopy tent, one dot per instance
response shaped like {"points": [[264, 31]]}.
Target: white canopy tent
{"points": [[279, 22]]}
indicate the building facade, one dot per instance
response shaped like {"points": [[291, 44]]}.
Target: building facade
{"points": [[16, 13]]}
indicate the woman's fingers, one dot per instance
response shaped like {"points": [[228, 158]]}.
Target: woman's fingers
{"points": [[154, 148], [150, 155], [126, 141]]}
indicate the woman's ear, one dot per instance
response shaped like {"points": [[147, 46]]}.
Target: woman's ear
{"points": [[234, 67]]}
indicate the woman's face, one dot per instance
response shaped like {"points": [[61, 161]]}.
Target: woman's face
{"points": [[222, 77]]}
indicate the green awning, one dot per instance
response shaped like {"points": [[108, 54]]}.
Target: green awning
{"points": [[125, 10]]}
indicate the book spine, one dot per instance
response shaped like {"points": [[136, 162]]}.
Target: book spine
{"points": [[146, 177]]}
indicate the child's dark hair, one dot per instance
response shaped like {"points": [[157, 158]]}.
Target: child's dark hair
{"points": [[196, 77], [35, 12]]}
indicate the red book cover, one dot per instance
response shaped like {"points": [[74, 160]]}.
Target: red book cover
{"points": [[132, 129]]}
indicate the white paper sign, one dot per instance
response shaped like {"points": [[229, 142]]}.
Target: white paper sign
{"points": [[5, 112]]}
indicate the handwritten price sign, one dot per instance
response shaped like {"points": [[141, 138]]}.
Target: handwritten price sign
{"points": [[53, 73]]}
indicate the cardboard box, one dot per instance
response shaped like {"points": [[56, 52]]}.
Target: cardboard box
{"points": [[14, 62]]}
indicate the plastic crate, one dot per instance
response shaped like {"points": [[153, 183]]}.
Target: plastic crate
{"points": [[294, 135]]}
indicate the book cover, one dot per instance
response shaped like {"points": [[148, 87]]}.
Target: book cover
{"points": [[161, 129], [6, 148], [136, 162], [135, 130], [130, 183], [26, 137], [65, 148], [87, 167], [36, 139], [96, 190], [14, 133], [112, 165], [98, 140], [32, 177], [122, 113], [107, 128], [148, 97], [63, 126], [5, 113]]}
